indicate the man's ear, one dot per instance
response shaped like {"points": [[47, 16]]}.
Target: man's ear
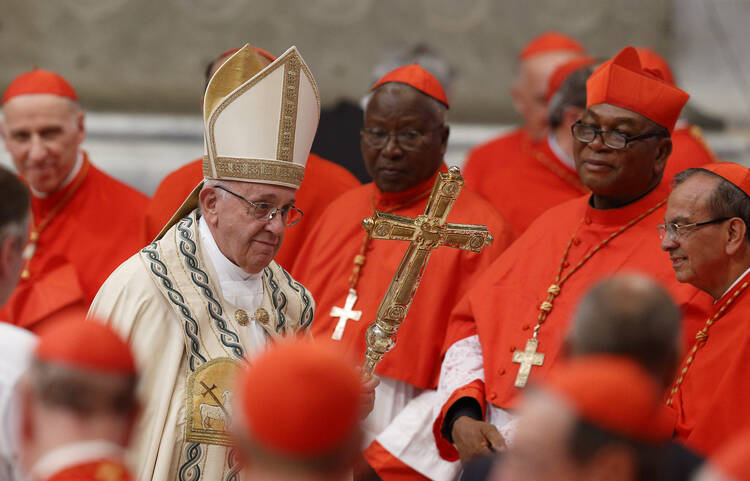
{"points": [[444, 133], [81, 125], [208, 198], [613, 463], [736, 235], [4, 132], [664, 150], [571, 115]]}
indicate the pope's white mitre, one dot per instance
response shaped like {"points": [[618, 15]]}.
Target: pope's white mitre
{"points": [[259, 128], [259, 122]]}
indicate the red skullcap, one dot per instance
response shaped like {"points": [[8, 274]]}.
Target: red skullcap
{"points": [[734, 173], [731, 458], [551, 42], [563, 72], [84, 344], [417, 77], [258, 50], [614, 394], [623, 82], [653, 62], [299, 399], [39, 81]]}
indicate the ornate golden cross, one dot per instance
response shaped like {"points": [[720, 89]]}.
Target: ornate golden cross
{"points": [[527, 358], [425, 233], [344, 314]]}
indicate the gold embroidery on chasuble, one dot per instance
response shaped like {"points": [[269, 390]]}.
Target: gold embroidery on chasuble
{"points": [[209, 402]]}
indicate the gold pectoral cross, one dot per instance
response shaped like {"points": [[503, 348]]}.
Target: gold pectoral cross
{"points": [[527, 358], [425, 233], [344, 314]]}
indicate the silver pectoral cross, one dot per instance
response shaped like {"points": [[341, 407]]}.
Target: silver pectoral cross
{"points": [[344, 314], [527, 358]]}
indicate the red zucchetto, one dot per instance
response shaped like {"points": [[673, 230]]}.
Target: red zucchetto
{"points": [[734, 173], [39, 81], [623, 82], [563, 72], [417, 77], [84, 344], [551, 42], [614, 394], [299, 400]]}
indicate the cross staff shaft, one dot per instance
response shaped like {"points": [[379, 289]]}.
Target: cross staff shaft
{"points": [[426, 232]]}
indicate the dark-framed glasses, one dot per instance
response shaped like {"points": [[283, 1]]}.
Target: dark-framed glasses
{"points": [[614, 139], [675, 230], [265, 212], [411, 139]]}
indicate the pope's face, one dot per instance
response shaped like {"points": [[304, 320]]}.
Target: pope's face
{"points": [[395, 108], [697, 254], [620, 174], [42, 134], [246, 241]]}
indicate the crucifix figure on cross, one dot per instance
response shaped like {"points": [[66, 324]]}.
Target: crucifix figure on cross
{"points": [[344, 314], [425, 233]]}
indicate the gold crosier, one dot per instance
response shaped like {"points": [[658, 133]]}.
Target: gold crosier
{"points": [[529, 356], [347, 312], [425, 233], [36, 230], [701, 338]]}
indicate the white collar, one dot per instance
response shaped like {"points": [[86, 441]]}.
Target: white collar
{"points": [[563, 157], [734, 284], [225, 269], [73, 454], [68, 179]]}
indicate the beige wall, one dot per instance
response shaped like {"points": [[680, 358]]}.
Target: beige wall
{"points": [[148, 55]]}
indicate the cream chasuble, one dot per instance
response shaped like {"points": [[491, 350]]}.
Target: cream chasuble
{"points": [[188, 336]]}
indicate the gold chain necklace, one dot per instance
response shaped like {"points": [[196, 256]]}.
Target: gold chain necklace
{"points": [[529, 356], [36, 230], [701, 338]]}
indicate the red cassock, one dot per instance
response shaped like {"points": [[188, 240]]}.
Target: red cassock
{"points": [[102, 470], [712, 400], [503, 306], [526, 170], [531, 171], [96, 230], [328, 262], [324, 181]]}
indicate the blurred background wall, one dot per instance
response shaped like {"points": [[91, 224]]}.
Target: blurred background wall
{"points": [[138, 64]]}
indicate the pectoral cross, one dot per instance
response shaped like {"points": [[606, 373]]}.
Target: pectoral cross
{"points": [[425, 233], [527, 358], [344, 314]]}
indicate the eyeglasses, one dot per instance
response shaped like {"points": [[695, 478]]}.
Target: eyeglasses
{"points": [[265, 212], [614, 139], [411, 139], [674, 230]]}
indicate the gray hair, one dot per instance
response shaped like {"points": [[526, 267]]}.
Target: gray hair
{"points": [[727, 200], [572, 93]]}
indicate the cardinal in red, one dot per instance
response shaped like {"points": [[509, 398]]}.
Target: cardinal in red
{"points": [[509, 329], [71, 249], [403, 143], [705, 233], [79, 404]]}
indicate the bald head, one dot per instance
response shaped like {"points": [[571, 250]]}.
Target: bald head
{"points": [[530, 87], [630, 315]]}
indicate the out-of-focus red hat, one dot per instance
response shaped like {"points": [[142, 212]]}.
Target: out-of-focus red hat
{"points": [[551, 42], [85, 344], [299, 399]]}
